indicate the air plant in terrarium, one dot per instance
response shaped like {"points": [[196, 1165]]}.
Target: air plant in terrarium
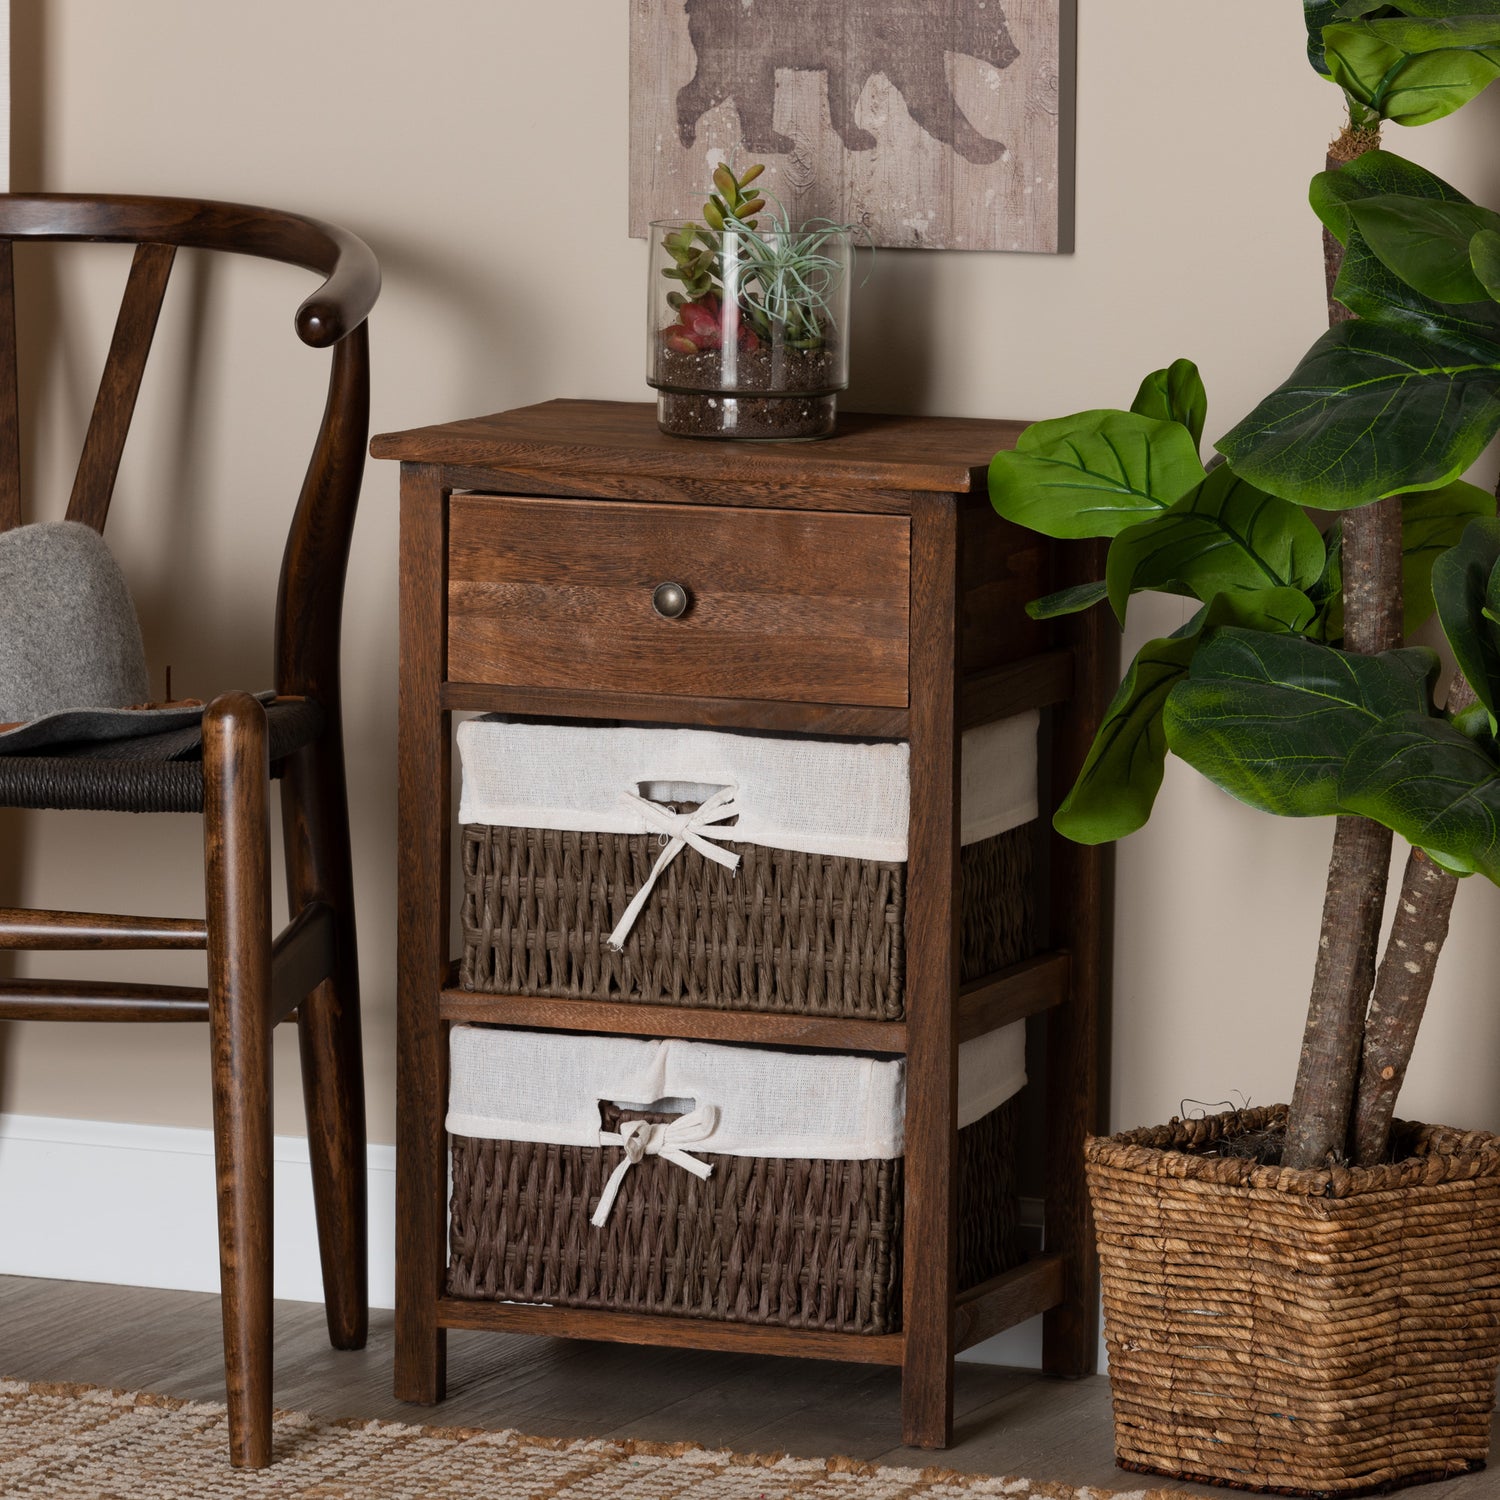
{"points": [[748, 316]]}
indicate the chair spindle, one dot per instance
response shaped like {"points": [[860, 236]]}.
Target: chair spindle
{"points": [[10, 410], [120, 384]]}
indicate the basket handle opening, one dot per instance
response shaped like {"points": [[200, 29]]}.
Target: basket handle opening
{"points": [[678, 793]]}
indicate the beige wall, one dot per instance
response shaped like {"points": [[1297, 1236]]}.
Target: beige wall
{"points": [[479, 145]]}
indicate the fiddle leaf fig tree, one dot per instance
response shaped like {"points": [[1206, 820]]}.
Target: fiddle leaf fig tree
{"points": [[1397, 401], [1288, 686]]}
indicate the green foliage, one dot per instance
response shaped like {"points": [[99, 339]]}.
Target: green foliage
{"points": [[1223, 535], [1372, 410], [1175, 394], [1406, 397], [694, 261], [1466, 583], [1117, 787], [1484, 256], [1297, 728], [1094, 473], [1318, 13], [1251, 691], [1272, 719], [1411, 62], [1434, 781], [1254, 691], [1370, 176], [1428, 781], [1067, 601], [729, 200], [780, 279], [1432, 522], [1426, 243]]}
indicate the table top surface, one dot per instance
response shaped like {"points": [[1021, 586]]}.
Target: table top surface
{"points": [[877, 452]]}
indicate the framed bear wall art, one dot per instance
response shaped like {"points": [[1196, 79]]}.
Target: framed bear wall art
{"points": [[937, 124]]}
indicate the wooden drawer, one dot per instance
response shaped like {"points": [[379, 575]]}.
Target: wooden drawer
{"points": [[810, 606]]}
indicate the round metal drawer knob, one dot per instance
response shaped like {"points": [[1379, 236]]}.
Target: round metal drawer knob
{"points": [[669, 600]]}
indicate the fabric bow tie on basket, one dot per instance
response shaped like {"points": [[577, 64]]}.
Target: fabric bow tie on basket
{"points": [[643, 1138], [690, 829]]}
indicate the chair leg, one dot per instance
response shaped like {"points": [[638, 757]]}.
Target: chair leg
{"points": [[237, 874], [315, 820]]}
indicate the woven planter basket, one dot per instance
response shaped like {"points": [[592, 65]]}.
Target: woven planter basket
{"points": [[810, 934], [800, 1244], [1331, 1332]]}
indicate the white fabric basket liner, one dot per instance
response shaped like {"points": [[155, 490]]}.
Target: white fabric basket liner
{"points": [[841, 798], [547, 1086]]}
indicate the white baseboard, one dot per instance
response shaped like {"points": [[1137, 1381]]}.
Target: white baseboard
{"points": [[94, 1200], [133, 1205]]}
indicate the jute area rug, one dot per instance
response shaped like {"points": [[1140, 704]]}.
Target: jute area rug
{"points": [[70, 1442]]}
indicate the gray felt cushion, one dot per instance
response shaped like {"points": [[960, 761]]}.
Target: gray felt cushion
{"points": [[69, 637]]}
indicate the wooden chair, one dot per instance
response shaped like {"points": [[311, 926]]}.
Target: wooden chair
{"points": [[254, 979]]}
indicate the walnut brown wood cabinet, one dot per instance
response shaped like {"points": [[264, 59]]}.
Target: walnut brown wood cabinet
{"points": [[858, 586]]}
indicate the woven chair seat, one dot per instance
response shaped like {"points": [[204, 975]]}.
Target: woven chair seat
{"points": [[150, 774]]}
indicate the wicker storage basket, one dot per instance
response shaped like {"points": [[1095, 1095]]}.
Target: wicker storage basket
{"points": [[1330, 1332], [795, 1241], [811, 921]]}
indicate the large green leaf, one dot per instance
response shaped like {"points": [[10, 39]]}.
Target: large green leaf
{"points": [[1432, 784], [1271, 719], [1413, 70], [1225, 535], [1432, 521], [1066, 601], [1093, 474], [1327, 594], [1370, 411], [1175, 394], [1374, 174], [1372, 291], [1352, 10], [1317, 13], [1465, 584], [1117, 787], [1366, 285], [1426, 243], [1122, 773], [1484, 256]]}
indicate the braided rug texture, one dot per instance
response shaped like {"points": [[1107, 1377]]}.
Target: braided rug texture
{"points": [[71, 1442]]}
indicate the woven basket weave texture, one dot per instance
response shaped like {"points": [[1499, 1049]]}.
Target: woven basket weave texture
{"points": [[801, 1244], [1331, 1332], [810, 934]]}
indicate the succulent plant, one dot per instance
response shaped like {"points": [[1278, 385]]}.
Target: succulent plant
{"points": [[776, 282]]}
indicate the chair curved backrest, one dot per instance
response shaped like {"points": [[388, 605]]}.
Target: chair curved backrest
{"points": [[309, 603]]}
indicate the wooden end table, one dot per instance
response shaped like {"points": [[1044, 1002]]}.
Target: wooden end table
{"points": [[856, 586]]}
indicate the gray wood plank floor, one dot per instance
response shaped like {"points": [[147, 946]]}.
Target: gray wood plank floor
{"points": [[1011, 1422]]}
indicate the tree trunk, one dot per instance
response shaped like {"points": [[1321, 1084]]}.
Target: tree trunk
{"points": [[1354, 899], [1401, 991], [1353, 903], [1402, 987]]}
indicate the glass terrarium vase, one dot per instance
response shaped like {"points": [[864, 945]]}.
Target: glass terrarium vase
{"points": [[747, 331]]}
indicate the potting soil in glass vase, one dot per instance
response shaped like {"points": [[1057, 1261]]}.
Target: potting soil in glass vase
{"points": [[747, 318]]}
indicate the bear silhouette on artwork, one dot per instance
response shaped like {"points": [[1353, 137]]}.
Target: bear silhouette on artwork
{"points": [[740, 44]]}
